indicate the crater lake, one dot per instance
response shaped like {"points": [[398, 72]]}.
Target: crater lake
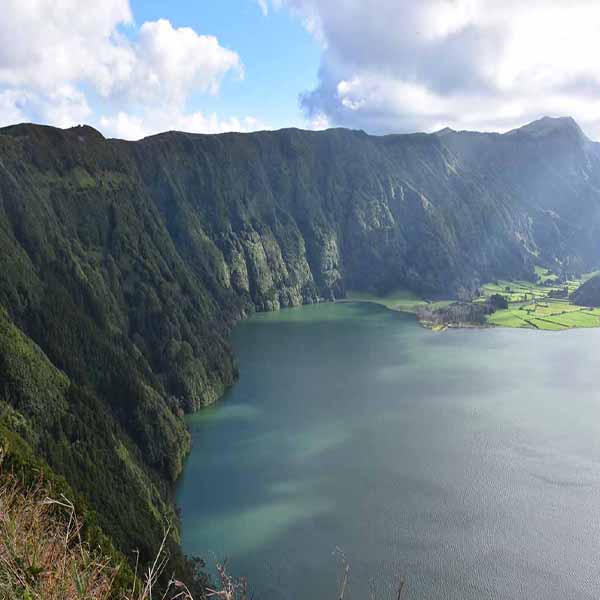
{"points": [[466, 462]]}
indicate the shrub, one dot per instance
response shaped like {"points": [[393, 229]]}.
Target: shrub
{"points": [[498, 301]]}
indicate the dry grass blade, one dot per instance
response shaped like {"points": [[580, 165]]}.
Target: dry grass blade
{"points": [[230, 588], [400, 588], [346, 570], [41, 552]]}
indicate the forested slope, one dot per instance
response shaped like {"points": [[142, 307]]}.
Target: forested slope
{"points": [[124, 265]]}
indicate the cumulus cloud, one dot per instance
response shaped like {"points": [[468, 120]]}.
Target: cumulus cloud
{"points": [[11, 106], [400, 65], [56, 57], [61, 106], [171, 63], [134, 127], [264, 7], [44, 42], [318, 121]]}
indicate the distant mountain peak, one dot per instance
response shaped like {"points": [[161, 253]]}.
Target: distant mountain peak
{"points": [[85, 130], [444, 131], [549, 126]]}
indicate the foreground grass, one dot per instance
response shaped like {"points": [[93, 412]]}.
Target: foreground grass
{"points": [[43, 556], [41, 552]]}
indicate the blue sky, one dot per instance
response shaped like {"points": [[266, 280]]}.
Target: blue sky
{"points": [[133, 68], [280, 57]]}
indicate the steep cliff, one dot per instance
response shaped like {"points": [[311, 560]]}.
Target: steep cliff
{"points": [[124, 265]]}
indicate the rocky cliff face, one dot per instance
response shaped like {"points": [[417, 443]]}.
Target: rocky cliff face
{"points": [[550, 173], [300, 215], [127, 263], [315, 213]]}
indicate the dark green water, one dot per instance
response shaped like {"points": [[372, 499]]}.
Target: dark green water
{"points": [[467, 461]]}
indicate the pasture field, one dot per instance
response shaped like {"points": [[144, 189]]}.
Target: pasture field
{"points": [[532, 305], [399, 299], [527, 291]]}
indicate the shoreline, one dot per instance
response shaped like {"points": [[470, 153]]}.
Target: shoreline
{"points": [[441, 327]]}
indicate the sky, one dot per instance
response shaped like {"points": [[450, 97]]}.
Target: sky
{"points": [[133, 68]]}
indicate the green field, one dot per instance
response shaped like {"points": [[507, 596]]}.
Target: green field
{"points": [[531, 307], [545, 275], [402, 300], [552, 315], [529, 303], [527, 291]]}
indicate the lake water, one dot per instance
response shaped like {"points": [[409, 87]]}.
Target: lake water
{"points": [[467, 462]]}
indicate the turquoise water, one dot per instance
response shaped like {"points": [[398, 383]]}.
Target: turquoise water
{"points": [[467, 462]]}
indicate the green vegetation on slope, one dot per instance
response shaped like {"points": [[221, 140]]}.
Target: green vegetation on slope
{"points": [[80, 440], [545, 275], [123, 267], [22, 469], [401, 300], [588, 293]]}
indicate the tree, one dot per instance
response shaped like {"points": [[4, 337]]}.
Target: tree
{"points": [[498, 301]]}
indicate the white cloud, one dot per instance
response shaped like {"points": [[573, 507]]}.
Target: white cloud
{"points": [[62, 107], [44, 42], [11, 107], [124, 126], [56, 57], [264, 7], [318, 122], [397, 65], [171, 63], [134, 127]]}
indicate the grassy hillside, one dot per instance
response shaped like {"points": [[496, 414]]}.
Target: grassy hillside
{"points": [[402, 300], [588, 293]]}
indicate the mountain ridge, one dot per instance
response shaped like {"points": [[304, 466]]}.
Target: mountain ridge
{"points": [[542, 125], [128, 263], [550, 125]]}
